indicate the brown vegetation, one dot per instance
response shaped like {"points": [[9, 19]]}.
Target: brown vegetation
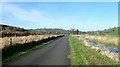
{"points": [[7, 41]]}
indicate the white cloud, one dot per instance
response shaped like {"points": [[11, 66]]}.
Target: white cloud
{"points": [[27, 15], [33, 16]]}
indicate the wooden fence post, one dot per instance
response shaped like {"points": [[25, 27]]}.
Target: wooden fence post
{"points": [[11, 41]]}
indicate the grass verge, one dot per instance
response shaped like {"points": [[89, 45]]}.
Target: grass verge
{"points": [[83, 55], [15, 51]]}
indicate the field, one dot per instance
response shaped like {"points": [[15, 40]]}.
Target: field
{"points": [[83, 55], [107, 40], [11, 41]]}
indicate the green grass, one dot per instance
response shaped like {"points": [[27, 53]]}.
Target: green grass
{"points": [[83, 55], [109, 32]]}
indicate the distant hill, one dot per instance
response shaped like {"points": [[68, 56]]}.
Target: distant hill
{"points": [[111, 31], [49, 30], [7, 30], [12, 28]]}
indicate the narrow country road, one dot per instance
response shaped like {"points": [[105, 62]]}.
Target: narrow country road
{"points": [[54, 53]]}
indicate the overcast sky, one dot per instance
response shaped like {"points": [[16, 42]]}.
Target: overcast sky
{"points": [[85, 16]]}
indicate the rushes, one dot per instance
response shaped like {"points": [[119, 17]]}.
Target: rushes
{"points": [[107, 40], [7, 41]]}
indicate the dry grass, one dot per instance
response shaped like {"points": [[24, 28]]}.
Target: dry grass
{"points": [[107, 40], [7, 41]]}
